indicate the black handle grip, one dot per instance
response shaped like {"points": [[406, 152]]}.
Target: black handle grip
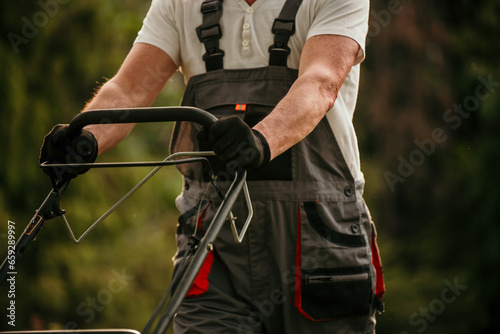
{"points": [[140, 115]]}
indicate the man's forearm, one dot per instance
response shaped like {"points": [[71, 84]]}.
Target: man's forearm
{"points": [[139, 80], [324, 65], [110, 96], [297, 114]]}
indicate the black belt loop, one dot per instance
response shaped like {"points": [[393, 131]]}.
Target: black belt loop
{"points": [[209, 33], [283, 28]]}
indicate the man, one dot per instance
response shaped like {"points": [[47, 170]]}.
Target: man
{"points": [[282, 76]]}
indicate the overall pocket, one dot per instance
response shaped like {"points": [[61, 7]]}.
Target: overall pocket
{"points": [[334, 276]]}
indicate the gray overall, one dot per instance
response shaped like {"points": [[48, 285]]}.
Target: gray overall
{"points": [[309, 261]]}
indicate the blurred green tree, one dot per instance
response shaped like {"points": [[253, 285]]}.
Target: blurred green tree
{"points": [[428, 128], [427, 123], [54, 54]]}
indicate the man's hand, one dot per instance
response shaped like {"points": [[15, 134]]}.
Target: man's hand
{"points": [[58, 147], [233, 140]]}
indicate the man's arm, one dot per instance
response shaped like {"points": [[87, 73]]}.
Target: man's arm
{"points": [[324, 64], [139, 80]]}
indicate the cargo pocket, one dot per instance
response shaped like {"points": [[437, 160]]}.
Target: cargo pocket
{"points": [[333, 278]]}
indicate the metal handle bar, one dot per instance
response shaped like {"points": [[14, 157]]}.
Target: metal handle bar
{"points": [[146, 115], [141, 115], [238, 235], [204, 247], [168, 159]]}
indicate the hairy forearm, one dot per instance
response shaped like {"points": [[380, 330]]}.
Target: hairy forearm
{"points": [[297, 114], [325, 63], [140, 79], [111, 96]]}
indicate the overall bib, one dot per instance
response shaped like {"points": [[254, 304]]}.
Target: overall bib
{"points": [[309, 261]]}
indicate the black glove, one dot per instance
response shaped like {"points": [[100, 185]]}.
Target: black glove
{"points": [[58, 147], [233, 140]]}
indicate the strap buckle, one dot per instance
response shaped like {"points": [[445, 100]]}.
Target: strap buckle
{"points": [[210, 6], [213, 60], [279, 51], [278, 55], [281, 26], [208, 33]]}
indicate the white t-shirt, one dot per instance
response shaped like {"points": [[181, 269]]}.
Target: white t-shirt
{"points": [[246, 36]]}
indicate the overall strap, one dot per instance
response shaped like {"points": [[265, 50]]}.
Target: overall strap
{"points": [[209, 33], [283, 28]]}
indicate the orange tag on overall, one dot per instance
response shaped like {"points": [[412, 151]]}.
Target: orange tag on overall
{"points": [[240, 107]]}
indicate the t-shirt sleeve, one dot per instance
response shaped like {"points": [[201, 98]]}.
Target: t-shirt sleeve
{"points": [[342, 17], [158, 29]]}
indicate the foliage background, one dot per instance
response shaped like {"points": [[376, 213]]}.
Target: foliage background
{"points": [[438, 223]]}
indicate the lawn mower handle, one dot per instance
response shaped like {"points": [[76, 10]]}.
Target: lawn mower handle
{"points": [[140, 115]]}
